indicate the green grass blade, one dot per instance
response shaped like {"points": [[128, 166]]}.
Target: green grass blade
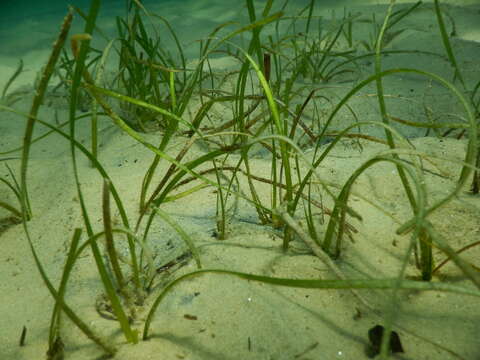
{"points": [[446, 43], [130, 335], [12, 209], [37, 101], [312, 284], [188, 240], [109, 242], [109, 349], [17, 72], [54, 332]]}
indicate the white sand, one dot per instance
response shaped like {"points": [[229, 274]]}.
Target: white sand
{"points": [[237, 319]]}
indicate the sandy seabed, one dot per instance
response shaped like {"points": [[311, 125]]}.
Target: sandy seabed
{"points": [[215, 316]]}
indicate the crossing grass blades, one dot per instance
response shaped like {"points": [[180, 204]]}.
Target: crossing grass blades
{"points": [[154, 88]]}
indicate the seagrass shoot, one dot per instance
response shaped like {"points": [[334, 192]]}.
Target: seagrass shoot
{"points": [[277, 107]]}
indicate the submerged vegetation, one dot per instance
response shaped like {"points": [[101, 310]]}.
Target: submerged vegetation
{"points": [[276, 107]]}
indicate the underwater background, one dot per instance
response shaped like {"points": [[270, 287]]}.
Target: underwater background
{"points": [[218, 317]]}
